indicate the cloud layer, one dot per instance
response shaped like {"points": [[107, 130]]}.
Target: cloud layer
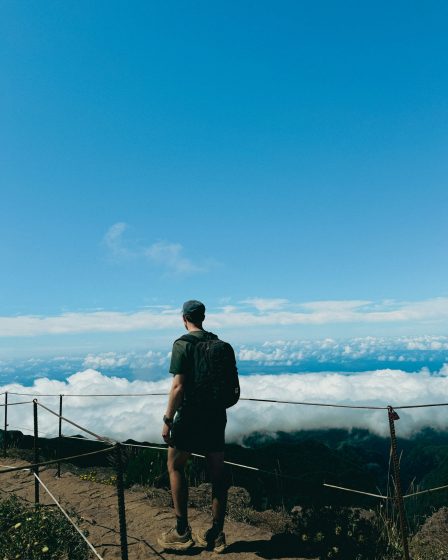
{"points": [[254, 313], [140, 417], [411, 349], [271, 357]]}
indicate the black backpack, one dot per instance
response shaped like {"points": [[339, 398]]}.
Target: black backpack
{"points": [[214, 381]]}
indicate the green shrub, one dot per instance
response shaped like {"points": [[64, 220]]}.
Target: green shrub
{"points": [[37, 533], [100, 478], [342, 533]]}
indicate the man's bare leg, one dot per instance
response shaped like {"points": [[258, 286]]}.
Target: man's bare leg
{"points": [[179, 537], [218, 476], [179, 487]]}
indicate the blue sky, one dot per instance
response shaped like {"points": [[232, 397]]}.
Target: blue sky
{"points": [[285, 163]]}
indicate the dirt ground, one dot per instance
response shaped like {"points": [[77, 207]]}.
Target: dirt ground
{"points": [[97, 505]]}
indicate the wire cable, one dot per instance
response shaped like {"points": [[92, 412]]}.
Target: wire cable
{"points": [[301, 403], [91, 394], [316, 404], [420, 405]]}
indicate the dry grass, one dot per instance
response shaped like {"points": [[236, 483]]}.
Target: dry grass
{"points": [[431, 541]]}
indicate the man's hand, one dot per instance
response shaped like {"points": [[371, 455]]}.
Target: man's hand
{"points": [[174, 401], [166, 433]]}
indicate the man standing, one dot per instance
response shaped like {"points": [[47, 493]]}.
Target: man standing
{"points": [[190, 426]]}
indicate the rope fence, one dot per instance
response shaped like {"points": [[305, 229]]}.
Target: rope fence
{"points": [[230, 463], [357, 491], [116, 447], [55, 461], [426, 491], [15, 403], [96, 436]]}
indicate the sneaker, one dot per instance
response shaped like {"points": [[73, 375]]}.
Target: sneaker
{"points": [[217, 544], [171, 540]]}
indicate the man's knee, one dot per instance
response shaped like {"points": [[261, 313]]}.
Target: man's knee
{"points": [[172, 466], [220, 480], [176, 461]]}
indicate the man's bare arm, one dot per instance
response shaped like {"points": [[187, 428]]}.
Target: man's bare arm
{"points": [[174, 401]]}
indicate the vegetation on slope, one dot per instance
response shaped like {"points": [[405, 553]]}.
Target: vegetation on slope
{"points": [[41, 533]]}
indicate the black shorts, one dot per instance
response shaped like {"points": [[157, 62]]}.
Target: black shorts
{"points": [[199, 431]]}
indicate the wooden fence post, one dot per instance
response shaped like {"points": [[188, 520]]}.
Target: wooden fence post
{"points": [[60, 434], [398, 491]]}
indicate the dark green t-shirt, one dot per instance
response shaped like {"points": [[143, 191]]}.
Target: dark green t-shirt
{"points": [[181, 356]]}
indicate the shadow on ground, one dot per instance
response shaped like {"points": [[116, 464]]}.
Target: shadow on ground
{"points": [[282, 545]]}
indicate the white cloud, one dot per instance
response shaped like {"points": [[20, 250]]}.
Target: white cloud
{"points": [[335, 306], [428, 312], [146, 365], [140, 417], [427, 343], [252, 354], [98, 321], [106, 360], [113, 240], [170, 256], [265, 304], [400, 349], [283, 354]]}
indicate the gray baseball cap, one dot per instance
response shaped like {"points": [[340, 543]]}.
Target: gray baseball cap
{"points": [[193, 307]]}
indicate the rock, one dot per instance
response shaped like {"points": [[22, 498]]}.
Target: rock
{"points": [[297, 510], [239, 496], [158, 496]]}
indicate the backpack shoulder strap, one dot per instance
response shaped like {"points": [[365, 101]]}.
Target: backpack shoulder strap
{"points": [[189, 338], [194, 339]]}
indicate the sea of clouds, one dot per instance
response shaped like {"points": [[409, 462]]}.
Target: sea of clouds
{"points": [[139, 417], [410, 353], [372, 371]]}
